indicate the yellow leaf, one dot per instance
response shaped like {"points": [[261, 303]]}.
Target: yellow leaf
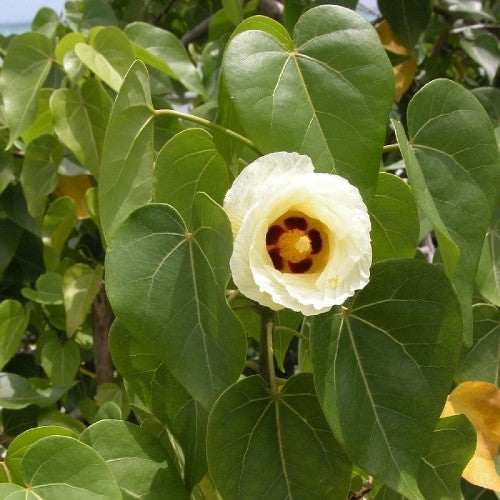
{"points": [[404, 72], [75, 186], [480, 403]]}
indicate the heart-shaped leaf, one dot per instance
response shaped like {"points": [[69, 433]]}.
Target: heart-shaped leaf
{"points": [[257, 443], [482, 360], [452, 446], [188, 163], [39, 173], [164, 51], [166, 283], [155, 386], [139, 463], [21, 443], [452, 163], [407, 18], [13, 322], [109, 55], [80, 120], [328, 97], [80, 286], [383, 367], [25, 68], [128, 152], [394, 218], [63, 467]]}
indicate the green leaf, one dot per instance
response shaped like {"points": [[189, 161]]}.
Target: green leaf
{"points": [[48, 289], [489, 97], [61, 360], [63, 467], [10, 234], [57, 225], [39, 173], [139, 463], [178, 277], [394, 218], [25, 68], [453, 169], [55, 417], [18, 447], [295, 8], [257, 444], [188, 163], [115, 393], [18, 392], [42, 123], [164, 51], [67, 58], [15, 492], [80, 286], [80, 120], [268, 25], [289, 321], [234, 10], [128, 153], [383, 367], [452, 446], [109, 56], [485, 51], [13, 322], [162, 394], [46, 21], [482, 360], [108, 410], [488, 271], [81, 16], [67, 43], [408, 19], [332, 108]]}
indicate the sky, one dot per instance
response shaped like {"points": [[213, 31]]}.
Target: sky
{"points": [[18, 11]]}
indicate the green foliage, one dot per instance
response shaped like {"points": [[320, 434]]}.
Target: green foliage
{"points": [[132, 366]]}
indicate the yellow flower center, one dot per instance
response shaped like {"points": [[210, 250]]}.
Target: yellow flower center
{"points": [[294, 245], [297, 243]]}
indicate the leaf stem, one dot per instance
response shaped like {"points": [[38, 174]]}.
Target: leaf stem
{"points": [[285, 329], [252, 365], [209, 124], [6, 470], [84, 371], [390, 147]]}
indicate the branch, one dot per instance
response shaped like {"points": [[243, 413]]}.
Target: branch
{"points": [[102, 318]]}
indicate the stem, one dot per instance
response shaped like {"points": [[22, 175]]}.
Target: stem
{"points": [[207, 123], [285, 329], [270, 357], [390, 147], [86, 372], [102, 318], [6, 470]]}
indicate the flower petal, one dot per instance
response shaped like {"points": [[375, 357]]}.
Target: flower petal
{"points": [[259, 180]]}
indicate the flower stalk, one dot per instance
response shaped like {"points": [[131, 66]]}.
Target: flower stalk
{"points": [[266, 355]]}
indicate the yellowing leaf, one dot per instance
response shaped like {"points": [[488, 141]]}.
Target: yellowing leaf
{"points": [[480, 403], [404, 72], [75, 186]]}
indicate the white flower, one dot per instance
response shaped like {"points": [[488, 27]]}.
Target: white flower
{"points": [[302, 239]]}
